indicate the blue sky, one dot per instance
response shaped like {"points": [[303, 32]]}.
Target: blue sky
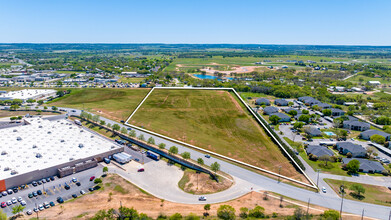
{"points": [[331, 22]]}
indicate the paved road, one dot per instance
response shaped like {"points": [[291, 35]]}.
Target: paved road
{"points": [[260, 182]]}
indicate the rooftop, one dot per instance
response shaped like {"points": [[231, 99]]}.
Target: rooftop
{"points": [[27, 94], [43, 144]]}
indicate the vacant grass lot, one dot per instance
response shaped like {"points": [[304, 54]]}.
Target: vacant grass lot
{"points": [[213, 120], [115, 104], [373, 194]]}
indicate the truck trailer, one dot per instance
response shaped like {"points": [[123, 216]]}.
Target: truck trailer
{"points": [[153, 155], [120, 158]]}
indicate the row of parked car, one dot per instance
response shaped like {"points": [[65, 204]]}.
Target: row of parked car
{"points": [[13, 201]]}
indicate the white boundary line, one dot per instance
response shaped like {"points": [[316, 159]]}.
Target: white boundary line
{"points": [[313, 185]]}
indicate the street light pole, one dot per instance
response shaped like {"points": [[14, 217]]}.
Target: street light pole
{"points": [[362, 215], [279, 173], [317, 180]]}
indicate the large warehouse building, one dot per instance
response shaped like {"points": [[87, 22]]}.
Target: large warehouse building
{"points": [[44, 148], [26, 94]]}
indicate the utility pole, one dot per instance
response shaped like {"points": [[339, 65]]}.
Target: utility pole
{"points": [[342, 191], [317, 180], [308, 207], [279, 173], [37, 211], [362, 215]]}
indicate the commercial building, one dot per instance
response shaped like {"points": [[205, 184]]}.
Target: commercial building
{"points": [[42, 148], [28, 94]]}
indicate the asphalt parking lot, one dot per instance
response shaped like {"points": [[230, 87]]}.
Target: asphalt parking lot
{"points": [[53, 189]]}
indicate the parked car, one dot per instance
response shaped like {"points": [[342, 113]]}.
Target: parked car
{"points": [[43, 180], [10, 191], [207, 155], [323, 189], [23, 203], [52, 204], [46, 205], [74, 195], [60, 200], [15, 190], [82, 192], [35, 194], [92, 178], [3, 205], [34, 183], [13, 200], [40, 207], [39, 182], [52, 178], [67, 187], [4, 193], [91, 189], [36, 210], [74, 179], [48, 179], [39, 192], [78, 184], [9, 202], [29, 212], [20, 199]]}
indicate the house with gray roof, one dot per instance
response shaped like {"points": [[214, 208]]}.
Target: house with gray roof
{"points": [[281, 102], [366, 166], [270, 110], [348, 147], [283, 117], [356, 125], [366, 135], [322, 105], [318, 150], [262, 101], [308, 100], [313, 131], [337, 112]]}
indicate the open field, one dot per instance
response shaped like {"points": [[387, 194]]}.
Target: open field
{"points": [[356, 79], [115, 191], [213, 120], [130, 80], [111, 103], [373, 194]]}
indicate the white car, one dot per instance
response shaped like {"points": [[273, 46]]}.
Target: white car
{"points": [[82, 192], [9, 202], [40, 207], [29, 212], [202, 198], [13, 200], [20, 199], [323, 189], [23, 203]]}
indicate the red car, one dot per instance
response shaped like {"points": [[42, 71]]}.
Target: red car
{"points": [[3, 205], [92, 178]]}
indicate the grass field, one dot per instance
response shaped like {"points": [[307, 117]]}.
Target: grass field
{"points": [[373, 194], [213, 120], [115, 104]]}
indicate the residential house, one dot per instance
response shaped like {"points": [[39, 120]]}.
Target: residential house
{"points": [[307, 100], [287, 110], [283, 117], [356, 125], [262, 101], [337, 112], [270, 110], [366, 135], [281, 102], [313, 131], [318, 150], [348, 147], [366, 166], [322, 105]]}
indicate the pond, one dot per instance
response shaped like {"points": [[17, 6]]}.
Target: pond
{"points": [[210, 77]]}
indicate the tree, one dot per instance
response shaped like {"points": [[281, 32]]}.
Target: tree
{"points": [[105, 169], [357, 188], [243, 212], [370, 151], [226, 212], [274, 119], [141, 137], [45, 107], [40, 102], [378, 139], [116, 127], [176, 216], [162, 145], [98, 180], [17, 209], [206, 208], [215, 167], [14, 107], [290, 103], [132, 133], [124, 130], [305, 111], [325, 158], [151, 140], [353, 166], [103, 214], [327, 112], [102, 122], [185, 155], [331, 215], [304, 118], [292, 112], [60, 93], [54, 108], [95, 118], [173, 150], [200, 161], [298, 125], [257, 212], [109, 125], [130, 213]]}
